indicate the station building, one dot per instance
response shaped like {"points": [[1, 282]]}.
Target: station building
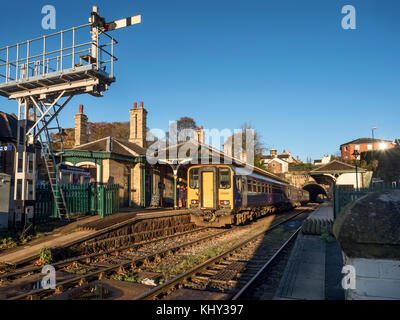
{"points": [[113, 160]]}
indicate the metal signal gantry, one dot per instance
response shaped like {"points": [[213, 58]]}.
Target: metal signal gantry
{"points": [[43, 75]]}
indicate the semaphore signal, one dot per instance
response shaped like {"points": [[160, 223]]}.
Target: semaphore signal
{"points": [[43, 75]]}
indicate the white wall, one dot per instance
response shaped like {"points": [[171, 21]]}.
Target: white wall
{"points": [[349, 179]]}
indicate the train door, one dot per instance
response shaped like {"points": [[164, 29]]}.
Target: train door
{"points": [[207, 179], [244, 191], [208, 190]]}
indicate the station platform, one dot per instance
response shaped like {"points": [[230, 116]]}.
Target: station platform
{"points": [[323, 212], [82, 230], [313, 271]]}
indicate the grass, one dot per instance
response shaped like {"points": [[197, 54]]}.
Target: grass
{"points": [[129, 277], [45, 255], [15, 238], [77, 271], [188, 262]]}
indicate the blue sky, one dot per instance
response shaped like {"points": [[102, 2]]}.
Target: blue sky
{"points": [[287, 67]]}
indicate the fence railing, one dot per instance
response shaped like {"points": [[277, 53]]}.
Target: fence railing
{"points": [[56, 52], [81, 199], [344, 196]]}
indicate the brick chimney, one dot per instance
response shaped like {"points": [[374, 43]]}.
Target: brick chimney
{"points": [[137, 130], [199, 136], [81, 136], [272, 152]]}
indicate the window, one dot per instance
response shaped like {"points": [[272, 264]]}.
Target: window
{"points": [[357, 147], [369, 147], [249, 186], [194, 178], [224, 178]]}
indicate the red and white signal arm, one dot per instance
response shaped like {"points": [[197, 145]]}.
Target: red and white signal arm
{"points": [[122, 23]]}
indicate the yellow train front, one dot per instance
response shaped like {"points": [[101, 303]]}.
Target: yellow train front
{"points": [[221, 195]]}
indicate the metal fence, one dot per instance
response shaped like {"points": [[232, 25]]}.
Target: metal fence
{"points": [[344, 196], [57, 52], [81, 199]]}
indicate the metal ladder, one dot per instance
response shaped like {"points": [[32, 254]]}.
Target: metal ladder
{"points": [[51, 166]]}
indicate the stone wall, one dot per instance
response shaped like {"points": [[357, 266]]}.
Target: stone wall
{"points": [[368, 233], [81, 136], [115, 172]]}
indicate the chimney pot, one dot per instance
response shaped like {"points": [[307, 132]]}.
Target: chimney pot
{"points": [[81, 108], [201, 127], [134, 105], [141, 104], [197, 128]]}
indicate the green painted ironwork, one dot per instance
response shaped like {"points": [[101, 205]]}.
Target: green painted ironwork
{"points": [[344, 195], [81, 199], [44, 204]]}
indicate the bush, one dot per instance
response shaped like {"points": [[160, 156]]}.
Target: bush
{"points": [[45, 255]]}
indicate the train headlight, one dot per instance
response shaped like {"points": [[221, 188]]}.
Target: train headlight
{"points": [[224, 202], [195, 201]]}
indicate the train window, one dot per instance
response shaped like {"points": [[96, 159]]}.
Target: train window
{"points": [[259, 187], [194, 178], [249, 186], [224, 178]]}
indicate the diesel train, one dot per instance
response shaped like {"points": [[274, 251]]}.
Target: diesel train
{"points": [[222, 195]]}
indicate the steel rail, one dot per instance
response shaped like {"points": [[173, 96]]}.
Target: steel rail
{"points": [[107, 270], [66, 262], [266, 265], [179, 279], [119, 225]]}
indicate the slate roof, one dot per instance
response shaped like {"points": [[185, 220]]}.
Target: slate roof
{"points": [[204, 150], [114, 145], [336, 166]]}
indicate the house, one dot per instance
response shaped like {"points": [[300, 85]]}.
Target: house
{"points": [[326, 159], [277, 165], [8, 138], [362, 145], [285, 155], [8, 142]]}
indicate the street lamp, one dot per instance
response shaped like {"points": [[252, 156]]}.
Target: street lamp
{"points": [[355, 155], [373, 147]]}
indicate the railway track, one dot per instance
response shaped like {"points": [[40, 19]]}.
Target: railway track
{"points": [[233, 271], [81, 270], [133, 253]]}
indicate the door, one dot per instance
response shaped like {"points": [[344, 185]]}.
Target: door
{"points": [[207, 178]]}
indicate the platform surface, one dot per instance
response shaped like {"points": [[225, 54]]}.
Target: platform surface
{"points": [[304, 276], [323, 212], [82, 230], [313, 271]]}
